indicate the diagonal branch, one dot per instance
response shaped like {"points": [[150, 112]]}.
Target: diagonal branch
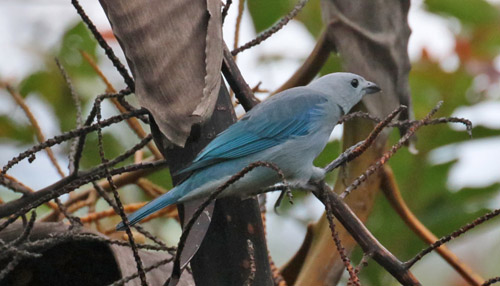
{"points": [[362, 235], [132, 122], [387, 155], [38, 131], [271, 31], [391, 191], [107, 49]]}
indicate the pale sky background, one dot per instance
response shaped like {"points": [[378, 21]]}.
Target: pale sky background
{"points": [[28, 29]]}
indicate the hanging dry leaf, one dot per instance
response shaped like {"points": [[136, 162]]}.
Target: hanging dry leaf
{"points": [[372, 39], [174, 49]]}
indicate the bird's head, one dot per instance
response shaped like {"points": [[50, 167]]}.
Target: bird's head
{"points": [[346, 89]]}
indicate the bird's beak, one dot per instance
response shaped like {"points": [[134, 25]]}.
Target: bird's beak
{"points": [[371, 88]]}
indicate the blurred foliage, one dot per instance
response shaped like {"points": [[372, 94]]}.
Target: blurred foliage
{"points": [[49, 86], [265, 13], [14, 131]]}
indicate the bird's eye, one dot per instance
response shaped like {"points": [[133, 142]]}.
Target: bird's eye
{"points": [[354, 83]]}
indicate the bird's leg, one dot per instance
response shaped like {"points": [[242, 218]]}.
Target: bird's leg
{"points": [[342, 158]]}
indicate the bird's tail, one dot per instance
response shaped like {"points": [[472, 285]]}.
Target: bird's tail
{"points": [[153, 206]]}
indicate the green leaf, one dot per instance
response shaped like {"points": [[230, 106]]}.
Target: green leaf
{"points": [[112, 148], [76, 39], [11, 130], [162, 178], [474, 12], [50, 86], [265, 13]]}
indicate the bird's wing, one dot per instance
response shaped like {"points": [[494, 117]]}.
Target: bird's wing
{"points": [[268, 124]]}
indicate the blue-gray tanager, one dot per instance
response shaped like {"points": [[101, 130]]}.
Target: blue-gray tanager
{"points": [[289, 129]]}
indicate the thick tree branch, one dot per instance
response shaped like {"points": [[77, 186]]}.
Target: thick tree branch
{"points": [[233, 76], [363, 237]]}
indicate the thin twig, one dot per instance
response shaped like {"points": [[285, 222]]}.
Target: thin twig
{"points": [[353, 277], [358, 149], [491, 281], [225, 10], [362, 235], [387, 155], [391, 191], [272, 30], [18, 207], [238, 84], [407, 123], [453, 235], [132, 122], [176, 271], [168, 212], [38, 131], [241, 7], [78, 106], [107, 49], [68, 135], [124, 280], [120, 210]]}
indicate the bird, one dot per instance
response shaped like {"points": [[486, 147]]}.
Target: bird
{"points": [[289, 129]]}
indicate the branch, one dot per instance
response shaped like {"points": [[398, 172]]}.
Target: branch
{"points": [[391, 191], [353, 277], [387, 155], [107, 49], [176, 271], [233, 76], [132, 122], [269, 32], [70, 134], [453, 235], [363, 237], [38, 131], [358, 149], [65, 185]]}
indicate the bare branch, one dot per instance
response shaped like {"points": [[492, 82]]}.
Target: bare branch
{"points": [[233, 76], [391, 191], [226, 9], [353, 277], [387, 155], [363, 237], [453, 235], [272, 30], [132, 122], [491, 281], [38, 131], [107, 49], [358, 149], [70, 134]]}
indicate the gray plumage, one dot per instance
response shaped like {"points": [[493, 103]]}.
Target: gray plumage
{"points": [[289, 129]]}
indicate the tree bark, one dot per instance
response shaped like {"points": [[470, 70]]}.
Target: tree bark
{"points": [[235, 241]]}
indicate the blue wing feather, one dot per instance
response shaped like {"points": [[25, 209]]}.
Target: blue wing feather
{"points": [[287, 116]]}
